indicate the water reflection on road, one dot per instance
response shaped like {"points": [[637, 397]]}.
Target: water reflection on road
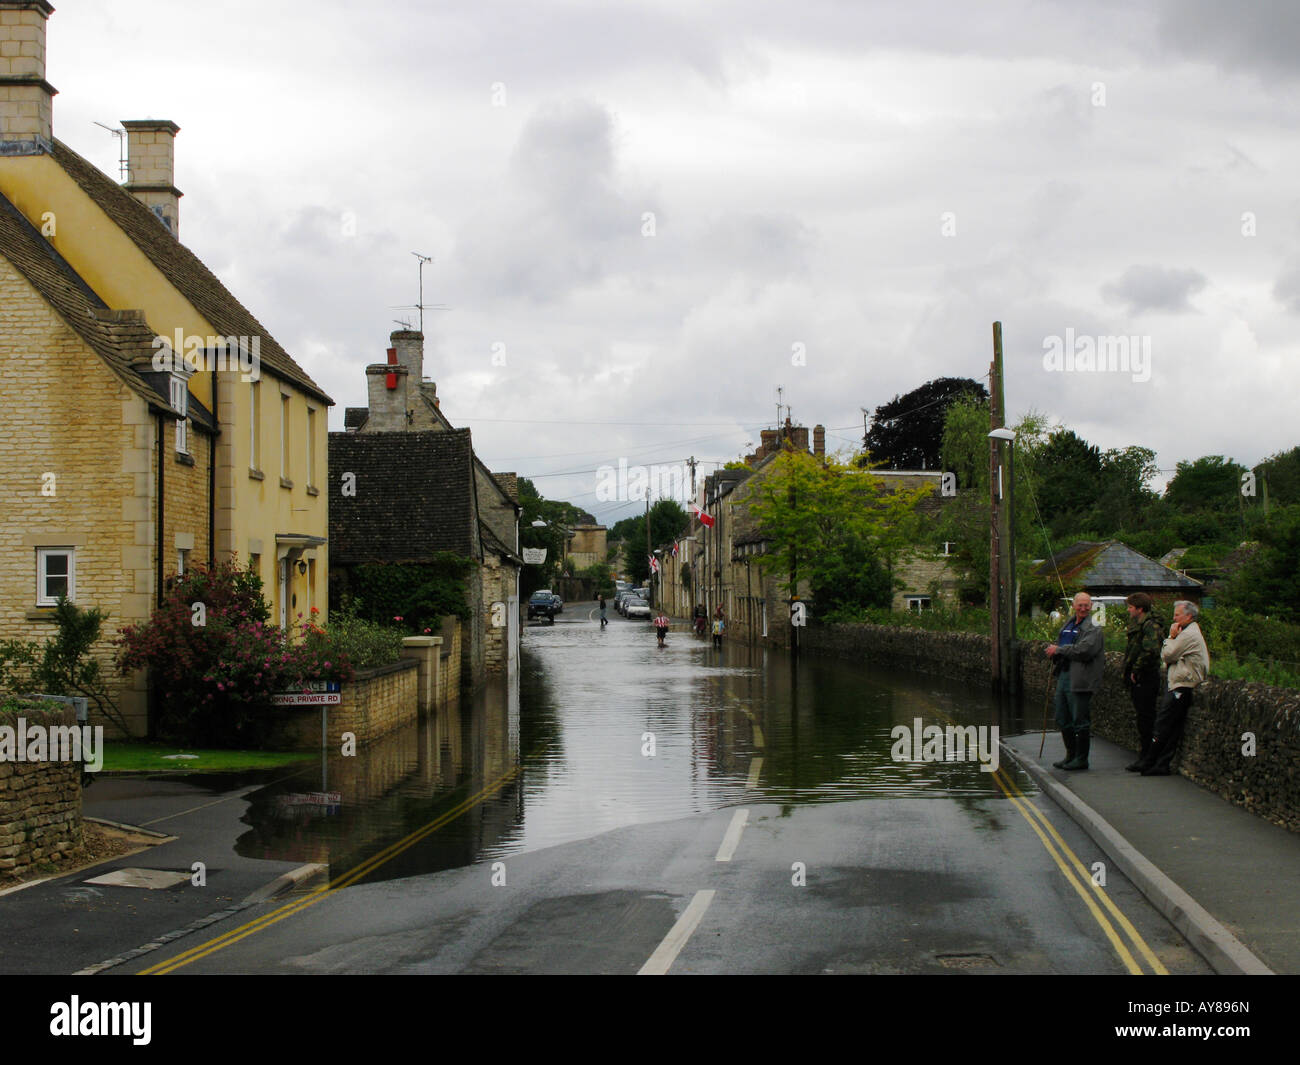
{"points": [[602, 729]]}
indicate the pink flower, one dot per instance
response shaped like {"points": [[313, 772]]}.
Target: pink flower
{"points": [[397, 617]]}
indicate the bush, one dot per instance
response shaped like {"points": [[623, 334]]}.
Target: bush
{"points": [[365, 644], [214, 670], [415, 595]]}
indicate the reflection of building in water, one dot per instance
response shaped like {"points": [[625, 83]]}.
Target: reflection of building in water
{"points": [[396, 786]]}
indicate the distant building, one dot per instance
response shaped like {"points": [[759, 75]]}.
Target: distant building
{"points": [[1111, 568]]}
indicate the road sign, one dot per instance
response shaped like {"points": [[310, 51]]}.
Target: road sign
{"points": [[323, 685], [306, 699]]}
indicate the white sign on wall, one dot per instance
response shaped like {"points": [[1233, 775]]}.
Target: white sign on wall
{"points": [[534, 556]]}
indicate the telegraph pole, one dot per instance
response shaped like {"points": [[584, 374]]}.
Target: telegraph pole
{"points": [[1002, 565]]}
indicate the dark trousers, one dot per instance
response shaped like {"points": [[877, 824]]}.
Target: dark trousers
{"points": [[1170, 719], [1145, 694]]}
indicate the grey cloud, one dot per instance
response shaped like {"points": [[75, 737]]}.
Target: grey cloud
{"points": [[1286, 290], [1155, 288], [1261, 38]]}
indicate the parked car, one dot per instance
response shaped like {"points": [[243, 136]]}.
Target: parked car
{"points": [[637, 608], [559, 603], [542, 605]]}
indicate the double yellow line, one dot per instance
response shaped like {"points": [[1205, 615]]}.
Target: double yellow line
{"points": [[346, 880], [1080, 879]]}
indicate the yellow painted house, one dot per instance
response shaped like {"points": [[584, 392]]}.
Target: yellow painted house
{"points": [[177, 429]]}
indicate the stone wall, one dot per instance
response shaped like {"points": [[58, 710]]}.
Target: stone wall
{"points": [[40, 803], [449, 674], [375, 703], [1213, 751]]}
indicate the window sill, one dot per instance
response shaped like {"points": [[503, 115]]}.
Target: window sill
{"points": [[185, 458], [256, 475], [285, 482], [41, 613], [312, 490]]}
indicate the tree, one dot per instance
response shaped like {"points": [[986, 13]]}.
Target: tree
{"points": [[667, 520], [1282, 473], [834, 525], [1210, 483], [1269, 583], [907, 432], [557, 515], [1068, 481]]}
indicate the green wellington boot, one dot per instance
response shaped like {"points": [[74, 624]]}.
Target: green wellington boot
{"points": [[1082, 743], [1067, 734]]}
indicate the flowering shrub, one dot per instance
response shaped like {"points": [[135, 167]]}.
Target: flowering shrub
{"points": [[362, 644], [214, 680]]}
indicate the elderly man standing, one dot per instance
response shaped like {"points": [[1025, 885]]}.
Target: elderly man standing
{"points": [[1188, 659], [1082, 646]]}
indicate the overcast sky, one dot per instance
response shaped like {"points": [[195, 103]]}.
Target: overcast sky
{"points": [[660, 212]]}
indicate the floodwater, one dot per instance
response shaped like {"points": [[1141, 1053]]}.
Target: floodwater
{"points": [[601, 729]]}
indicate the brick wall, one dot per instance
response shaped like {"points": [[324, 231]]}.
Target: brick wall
{"points": [[1266, 783], [40, 803]]}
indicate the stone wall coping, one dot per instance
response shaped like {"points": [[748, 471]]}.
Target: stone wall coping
{"points": [[392, 667], [422, 641]]}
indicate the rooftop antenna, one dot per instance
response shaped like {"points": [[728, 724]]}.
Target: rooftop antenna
{"points": [[120, 134], [780, 396], [421, 306]]}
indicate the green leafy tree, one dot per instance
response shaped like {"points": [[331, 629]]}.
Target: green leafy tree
{"points": [[1269, 583], [667, 520], [1282, 474], [835, 526], [1208, 484]]}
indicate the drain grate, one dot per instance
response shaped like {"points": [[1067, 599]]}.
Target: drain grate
{"points": [[966, 961]]}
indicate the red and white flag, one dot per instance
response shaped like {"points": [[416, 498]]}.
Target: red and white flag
{"points": [[654, 564], [674, 549], [705, 519]]}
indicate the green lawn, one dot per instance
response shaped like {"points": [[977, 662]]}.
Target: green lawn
{"points": [[121, 756]]}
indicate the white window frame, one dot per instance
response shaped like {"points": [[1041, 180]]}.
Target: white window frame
{"points": [[285, 438], [254, 415], [42, 574], [918, 603], [180, 400], [311, 445], [182, 554]]}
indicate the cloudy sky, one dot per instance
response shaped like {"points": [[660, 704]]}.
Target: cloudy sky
{"points": [[655, 213]]}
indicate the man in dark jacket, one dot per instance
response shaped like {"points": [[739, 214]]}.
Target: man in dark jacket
{"points": [[1146, 634], [1083, 646]]}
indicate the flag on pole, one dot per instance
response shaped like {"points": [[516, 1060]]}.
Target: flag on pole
{"points": [[654, 564], [674, 549], [705, 519]]}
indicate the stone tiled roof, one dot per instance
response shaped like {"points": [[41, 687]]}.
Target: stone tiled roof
{"points": [[199, 285], [120, 338], [1111, 564], [414, 496]]}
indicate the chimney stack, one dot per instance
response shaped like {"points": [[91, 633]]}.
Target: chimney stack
{"points": [[819, 441], [26, 98], [150, 168], [387, 405]]}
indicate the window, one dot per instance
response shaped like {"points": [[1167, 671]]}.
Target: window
{"points": [[918, 603], [284, 437], [311, 446], [948, 545], [180, 396], [254, 418], [55, 575], [181, 555]]}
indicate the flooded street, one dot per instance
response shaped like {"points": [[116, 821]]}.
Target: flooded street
{"points": [[603, 729]]}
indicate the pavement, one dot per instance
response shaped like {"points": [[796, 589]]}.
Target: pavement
{"points": [[64, 925], [1228, 880]]}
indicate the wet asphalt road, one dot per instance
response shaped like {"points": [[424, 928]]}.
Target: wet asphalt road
{"points": [[628, 808]]}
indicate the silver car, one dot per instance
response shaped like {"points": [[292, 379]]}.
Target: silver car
{"points": [[636, 607]]}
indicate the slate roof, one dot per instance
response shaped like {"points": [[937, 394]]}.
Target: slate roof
{"points": [[1111, 564], [199, 285], [414, 496], [118, 337]]}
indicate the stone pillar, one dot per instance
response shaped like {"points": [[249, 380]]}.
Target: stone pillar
{"points": [[427, 652]]}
